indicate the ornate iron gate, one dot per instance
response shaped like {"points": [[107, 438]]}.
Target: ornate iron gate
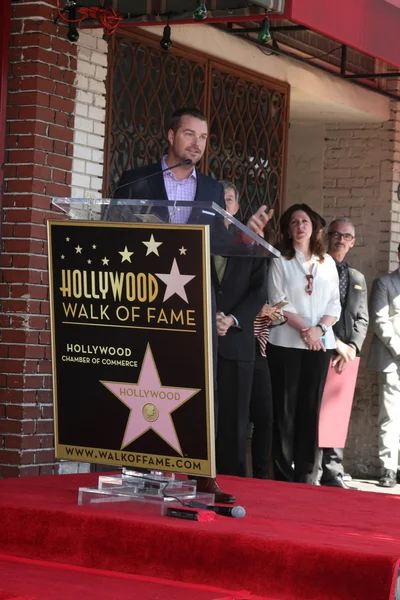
{"points": [[247, 116]]}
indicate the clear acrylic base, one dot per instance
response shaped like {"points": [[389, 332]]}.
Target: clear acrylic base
{"points": [[145, 493]]}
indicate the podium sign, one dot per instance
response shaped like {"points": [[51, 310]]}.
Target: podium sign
{"points": [[131, 343]]}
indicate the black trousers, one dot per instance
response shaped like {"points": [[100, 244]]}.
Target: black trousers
{"points": [[261, 415], [298, 379], [331, 464], [235, 380]]}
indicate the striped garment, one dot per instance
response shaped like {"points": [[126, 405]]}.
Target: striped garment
{"points": [[261, 332]]}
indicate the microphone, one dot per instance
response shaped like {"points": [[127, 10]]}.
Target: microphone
{"points": [[237, 512], [187, 161]]}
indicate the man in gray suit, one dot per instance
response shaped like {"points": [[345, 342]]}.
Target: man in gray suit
{"points": [[384, 358], [350, 331]]}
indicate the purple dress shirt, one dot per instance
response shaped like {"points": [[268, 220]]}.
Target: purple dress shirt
{"points": [[179, 190]]}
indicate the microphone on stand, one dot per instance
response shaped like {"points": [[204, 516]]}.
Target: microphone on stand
{"points": [[237, 512], [187, 161]]}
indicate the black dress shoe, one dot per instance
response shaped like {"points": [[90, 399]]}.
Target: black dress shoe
{"points": [[208, 485], [388, 479], [337, 481]]}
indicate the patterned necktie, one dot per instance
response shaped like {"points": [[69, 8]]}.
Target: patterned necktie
{"points": [[342, 283]]}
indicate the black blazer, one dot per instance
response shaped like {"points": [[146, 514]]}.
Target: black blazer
{"points": [[153, 188], [353, 323], [242, 292]]}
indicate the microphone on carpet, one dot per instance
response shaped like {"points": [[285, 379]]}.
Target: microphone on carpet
{"points": [[187, 161], [237, 512]]}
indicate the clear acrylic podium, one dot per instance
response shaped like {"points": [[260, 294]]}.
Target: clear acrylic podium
{"points": [[155, 491], [228, 236]]}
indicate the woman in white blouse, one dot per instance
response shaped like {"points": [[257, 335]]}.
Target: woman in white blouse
{"points": [[299, 351]]}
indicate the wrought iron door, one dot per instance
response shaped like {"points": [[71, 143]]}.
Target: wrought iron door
{"points": [[247, 116]]}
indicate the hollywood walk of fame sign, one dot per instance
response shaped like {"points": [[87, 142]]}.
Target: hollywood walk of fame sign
{"points": [[131, 345]]}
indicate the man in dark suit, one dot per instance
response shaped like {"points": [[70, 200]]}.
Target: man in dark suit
{"points": [[240, 289], [351, 329], [187, 137]]}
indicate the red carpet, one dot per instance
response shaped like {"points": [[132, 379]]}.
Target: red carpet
{"points": [[64, 582], [296, 542]]}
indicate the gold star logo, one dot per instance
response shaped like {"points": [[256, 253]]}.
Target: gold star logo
{"points": [[78, 249]]}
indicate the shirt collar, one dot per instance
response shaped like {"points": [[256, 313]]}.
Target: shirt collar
{"points": [[170, 173], [341, 265]]}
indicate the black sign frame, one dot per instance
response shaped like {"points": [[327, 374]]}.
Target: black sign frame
{"points": [[131, 306]]}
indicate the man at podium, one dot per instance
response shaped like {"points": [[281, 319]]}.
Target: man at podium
{"points": [[175, 178]]}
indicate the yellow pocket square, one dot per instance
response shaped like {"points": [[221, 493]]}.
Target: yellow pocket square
{"points": [[357, 287]]}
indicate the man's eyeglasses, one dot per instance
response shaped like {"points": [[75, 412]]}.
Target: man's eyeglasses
{"points": [[310, 284], [338, 236]]}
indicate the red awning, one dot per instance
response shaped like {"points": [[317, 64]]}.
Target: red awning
{"points": [[371, 26]]}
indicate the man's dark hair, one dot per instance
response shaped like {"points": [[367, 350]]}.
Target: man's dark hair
{"points": [[175, 118], [398, 249]]}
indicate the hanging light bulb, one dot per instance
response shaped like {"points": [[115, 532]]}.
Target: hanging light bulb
{"points": [[264, 35], [201, 11], [165, 41]]}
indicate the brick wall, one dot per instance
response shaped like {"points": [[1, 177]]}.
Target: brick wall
{"points": [[89, 136], [315, 44], [39, 136], [54, 147], [361, 174], [90, 115], [304, 172]]}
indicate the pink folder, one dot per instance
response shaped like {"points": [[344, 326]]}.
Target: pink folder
{"points": [[336, 405]]}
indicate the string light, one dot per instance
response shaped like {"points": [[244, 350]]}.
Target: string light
{"points": [[165, 41], [264, 35], [201, 11]]}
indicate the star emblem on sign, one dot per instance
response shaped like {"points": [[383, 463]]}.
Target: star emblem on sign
{"points": [[152, 246], [125, 255], [151, 404], [175, 282]]}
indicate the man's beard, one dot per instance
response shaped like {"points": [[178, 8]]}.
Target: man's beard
{"points": [[195, 157]]}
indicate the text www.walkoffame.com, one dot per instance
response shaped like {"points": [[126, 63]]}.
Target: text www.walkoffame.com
{"points": [[138, 460]]}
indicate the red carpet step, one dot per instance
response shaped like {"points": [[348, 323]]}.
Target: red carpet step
{"points": [[8, 596], [64, 582], [296, 542]]}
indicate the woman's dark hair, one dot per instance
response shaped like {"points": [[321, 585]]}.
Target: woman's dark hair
{"points": [[286, 244]]}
